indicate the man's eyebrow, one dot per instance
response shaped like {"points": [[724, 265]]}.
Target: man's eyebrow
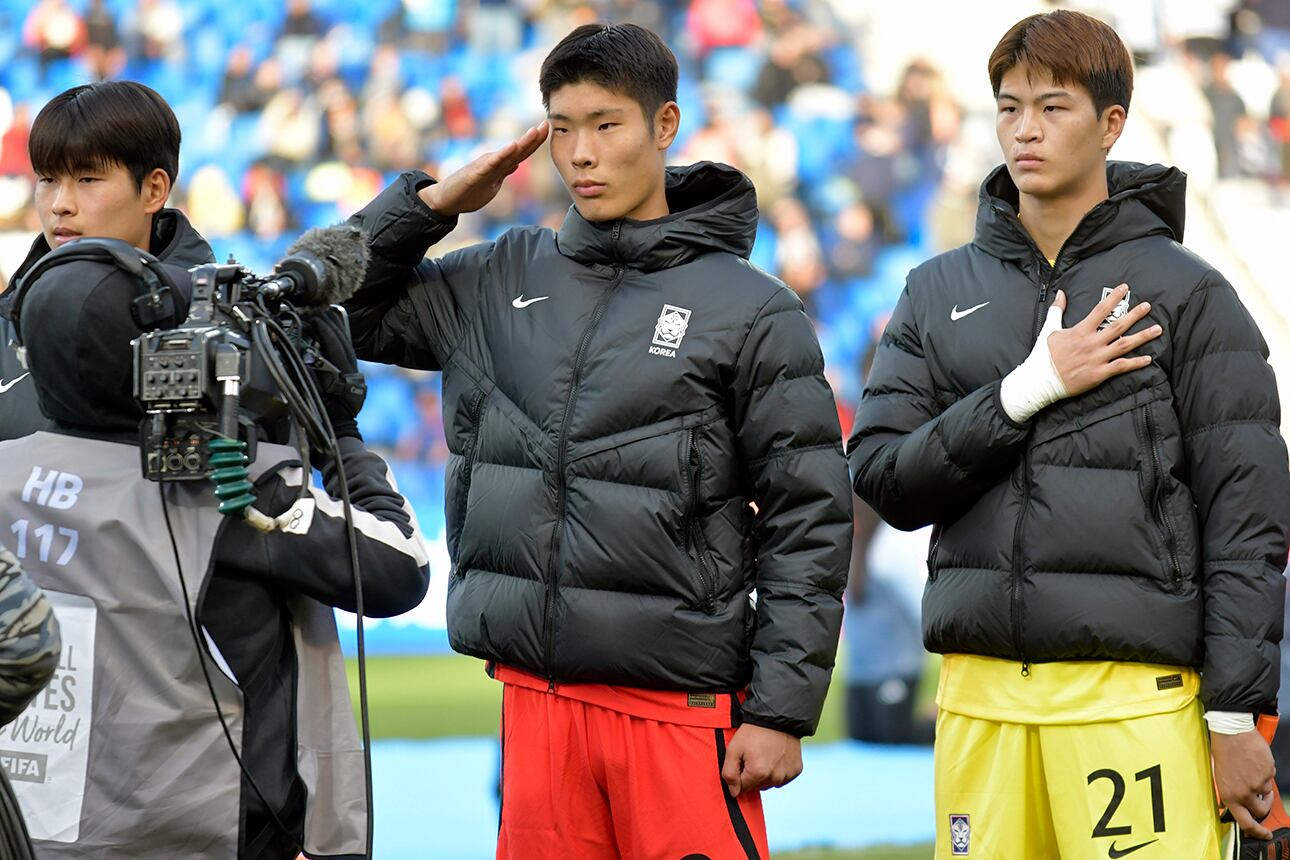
{"points": [[595, 114], [1048, 96]]}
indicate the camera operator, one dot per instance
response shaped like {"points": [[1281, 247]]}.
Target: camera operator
{"points": [[152, 774], [106, 156]]}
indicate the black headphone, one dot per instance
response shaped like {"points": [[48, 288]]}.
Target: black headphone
{"points": [[154, 307]]}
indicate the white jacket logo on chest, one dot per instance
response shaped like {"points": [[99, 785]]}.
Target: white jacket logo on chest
{"points": [[670, 330], [1118, 311]]}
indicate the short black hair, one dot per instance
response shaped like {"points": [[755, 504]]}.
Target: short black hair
{"points": [[624, 58], [97, 126]]}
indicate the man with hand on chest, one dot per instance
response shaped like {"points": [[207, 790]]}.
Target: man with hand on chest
{"points": [[1084, 411]]}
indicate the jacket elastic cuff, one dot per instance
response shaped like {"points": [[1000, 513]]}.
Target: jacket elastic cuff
{"points": [[1238, 709], [418, 179], [996, 396], [788, 727]]}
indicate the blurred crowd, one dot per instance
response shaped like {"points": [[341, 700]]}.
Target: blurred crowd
{"points": [[1238, 55]]}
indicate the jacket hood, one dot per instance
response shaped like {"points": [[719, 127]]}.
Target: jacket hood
{"points": [[77, 328], [1144, 200], [713, 209]]}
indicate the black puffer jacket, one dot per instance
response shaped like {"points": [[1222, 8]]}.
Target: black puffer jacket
{"points": [[1145, 520], [174, 241], [614, 397]]}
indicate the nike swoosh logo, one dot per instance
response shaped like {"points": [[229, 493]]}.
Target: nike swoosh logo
{"points": [[5, 386], [520, 302], [956, 314], [1116, 852]]}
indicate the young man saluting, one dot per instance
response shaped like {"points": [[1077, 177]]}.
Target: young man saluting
{"points": [[1109, 510], [616, 394]]}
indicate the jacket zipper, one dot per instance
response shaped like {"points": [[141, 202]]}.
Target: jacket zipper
{"points": [[1157, 505], [1017, 608], [694, 529], [552, 579]]}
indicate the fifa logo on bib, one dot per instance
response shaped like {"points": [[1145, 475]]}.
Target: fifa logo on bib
{"points": [[960, 835], [669, 330]]}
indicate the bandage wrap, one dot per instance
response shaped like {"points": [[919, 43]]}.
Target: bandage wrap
{"points": [[1035, 383]]}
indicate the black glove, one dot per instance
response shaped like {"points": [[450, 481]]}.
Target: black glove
{"points": [[335, 369]]}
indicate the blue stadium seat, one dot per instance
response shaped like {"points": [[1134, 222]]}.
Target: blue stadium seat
{"points": [[388, 407], [734, 67]]}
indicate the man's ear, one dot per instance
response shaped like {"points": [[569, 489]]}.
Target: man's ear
{"points": [[667, 122], [155, 190], [1113, 119]]}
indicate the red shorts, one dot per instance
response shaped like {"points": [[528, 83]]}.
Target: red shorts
{"points": [[585, 782]]}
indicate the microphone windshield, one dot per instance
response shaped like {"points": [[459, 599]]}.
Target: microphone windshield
{"points": [[344, 255]]}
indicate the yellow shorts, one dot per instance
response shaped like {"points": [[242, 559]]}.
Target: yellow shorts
{"points": [[1137, 787]]}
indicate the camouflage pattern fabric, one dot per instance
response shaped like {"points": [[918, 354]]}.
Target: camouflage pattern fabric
{"points": [[29, 639]]}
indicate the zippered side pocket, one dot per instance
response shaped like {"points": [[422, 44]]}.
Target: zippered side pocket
{"points": [[475, 415], [693, 527], [932, 547], [1153, 494]]}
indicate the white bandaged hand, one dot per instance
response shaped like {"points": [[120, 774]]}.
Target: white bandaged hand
{"points": [[1035, 383]]}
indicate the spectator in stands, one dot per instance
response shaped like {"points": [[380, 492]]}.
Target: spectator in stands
{"points": [[54, 31], [458, 116], [239, 88], [800, 260], [392, 139], [341, 130], [496, 27], [290, 127], [723, 24], [156, 31], [104, 53], [1279, 120], [931, 117], [213, 204], [14, 160], [856, 243], [793, 61], [300, 21], [1227, 107], [264, 193]]}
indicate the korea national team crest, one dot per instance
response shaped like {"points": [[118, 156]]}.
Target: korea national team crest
{"points": [[1118, 311], [669, 330], [960, 835]]}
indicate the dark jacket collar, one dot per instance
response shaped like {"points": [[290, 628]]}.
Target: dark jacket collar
{"points": [[713, 209], [1145, 200]]}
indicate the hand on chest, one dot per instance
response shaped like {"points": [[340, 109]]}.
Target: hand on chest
{"points": [[987, 329]]}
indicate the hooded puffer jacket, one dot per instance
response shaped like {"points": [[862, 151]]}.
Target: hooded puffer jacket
{"points": [[615, 395], [1145, 520]]}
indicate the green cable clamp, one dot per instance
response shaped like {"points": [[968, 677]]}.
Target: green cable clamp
{"points": [[228, 462]]}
